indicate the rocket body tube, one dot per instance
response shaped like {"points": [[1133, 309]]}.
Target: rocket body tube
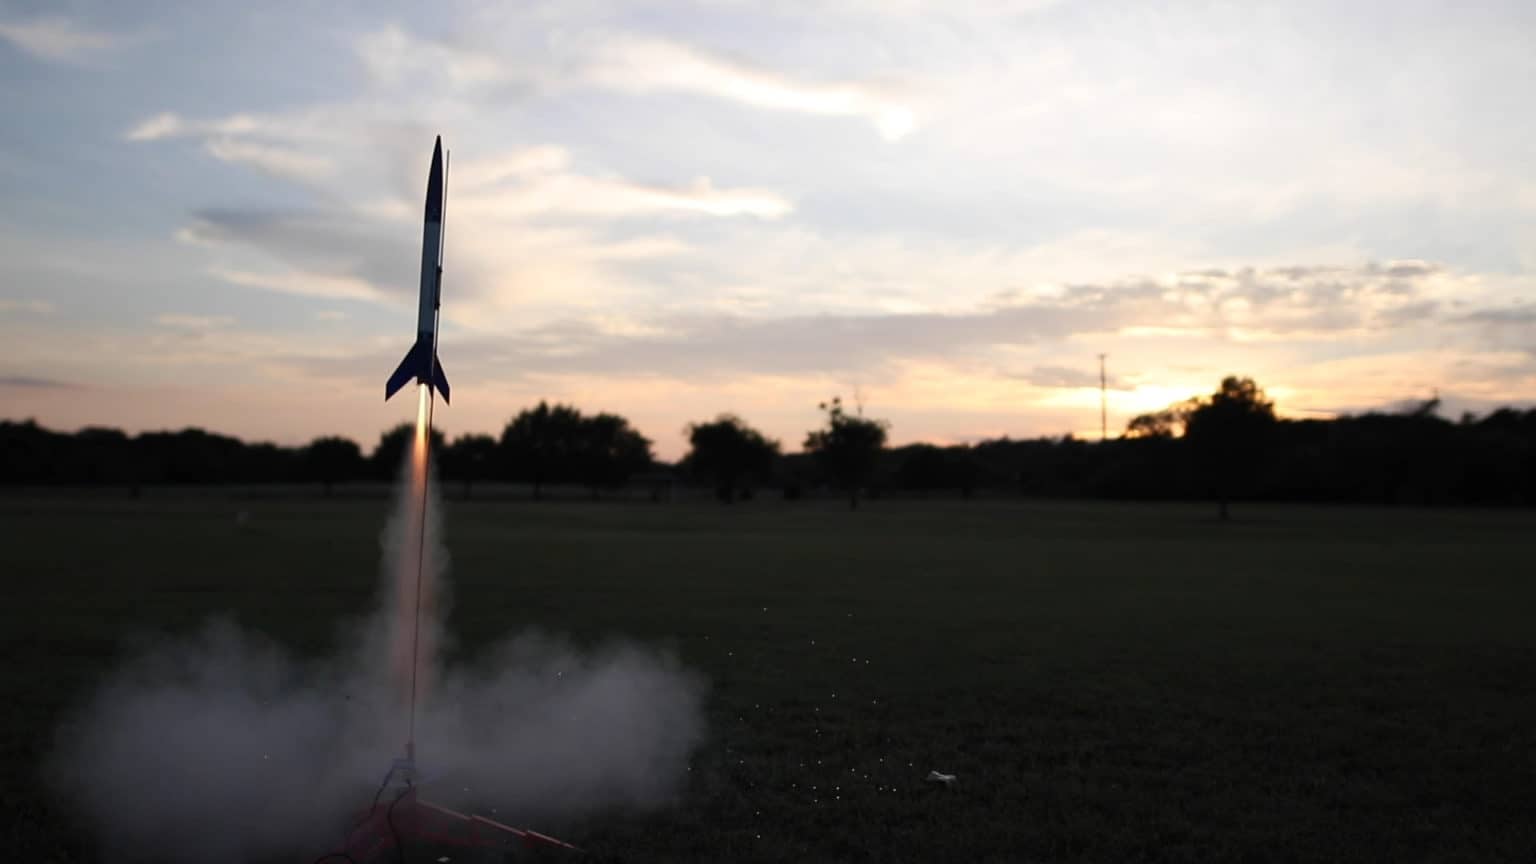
{"points": [[421, 361]]}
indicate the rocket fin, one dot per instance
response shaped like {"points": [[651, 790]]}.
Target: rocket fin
{"points": [[439, 380], [409, 368]]}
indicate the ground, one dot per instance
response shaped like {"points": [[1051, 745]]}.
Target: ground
{"points": [[1109, 682]]}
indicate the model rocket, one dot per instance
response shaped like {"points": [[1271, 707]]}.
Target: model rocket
{"points": [[406, 823], [421, 361]]}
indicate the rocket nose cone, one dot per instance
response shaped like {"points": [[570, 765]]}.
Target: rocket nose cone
{"points": [[435, 184]]}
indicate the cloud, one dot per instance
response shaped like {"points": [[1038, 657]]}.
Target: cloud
{"points": [[27, 382], [1218, 314], [57, 39], [286, 147], [1507, 316], [301, 284], [1066, 378], [270, 159], [1511, 327], [1323, 303], [538, 180], [37, 307], [194, 322], [393, 56], [627, 63], [528, 225], [158, 127], [1296, 302], [171, 125], [1408, 269], [325, 253], [642, 64], [1407, 315], [514, 182], [719, 347]]}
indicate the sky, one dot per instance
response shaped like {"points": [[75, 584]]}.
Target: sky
{"points": [[210, 213]]}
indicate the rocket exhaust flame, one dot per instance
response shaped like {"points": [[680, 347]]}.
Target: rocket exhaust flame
{"points": [[412, 575], [423, 422], [419, 465]]}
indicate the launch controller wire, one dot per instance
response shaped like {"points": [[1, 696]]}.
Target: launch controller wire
{"points": [[389, 819]]}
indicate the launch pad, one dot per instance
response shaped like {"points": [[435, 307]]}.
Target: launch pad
{"points": [[400, 820]]}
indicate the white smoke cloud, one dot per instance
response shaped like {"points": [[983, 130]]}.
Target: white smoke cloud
{"points": [[222, 746]]}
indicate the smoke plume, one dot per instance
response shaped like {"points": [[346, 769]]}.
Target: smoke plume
{"points": [[222, 746]]}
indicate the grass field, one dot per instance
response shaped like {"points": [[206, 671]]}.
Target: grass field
{"points": [[1109, 682]]}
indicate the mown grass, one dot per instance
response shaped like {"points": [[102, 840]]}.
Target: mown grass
{"points": [[1109, 682]]}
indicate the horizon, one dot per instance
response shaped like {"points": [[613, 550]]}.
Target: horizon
{"points": [[368, 446], [212, 218]]}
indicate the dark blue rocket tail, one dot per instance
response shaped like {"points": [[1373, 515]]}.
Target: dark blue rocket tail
{"points": [[439, 380], [422, 364]]}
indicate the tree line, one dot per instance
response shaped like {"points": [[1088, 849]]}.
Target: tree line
{"points": [[1230, 446], [1226, 446], [545, 444]]}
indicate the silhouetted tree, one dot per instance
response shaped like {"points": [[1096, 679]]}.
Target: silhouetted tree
{"points": [[29, 453], [190, 456], [538, 445], [1502, 447], [103, 455], [846, 447], [470, 459], [265, 462], [728, 452], [1167, 423], [608, 451], [332, 460], [1228, 434], [926, 468], [556, 444], [388, 457]]}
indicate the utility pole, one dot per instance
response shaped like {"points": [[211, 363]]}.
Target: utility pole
{"points": [[1103, 403]]}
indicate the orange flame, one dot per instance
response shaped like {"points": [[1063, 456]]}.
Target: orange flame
{"points": [[419, 452], [411, 565]]}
